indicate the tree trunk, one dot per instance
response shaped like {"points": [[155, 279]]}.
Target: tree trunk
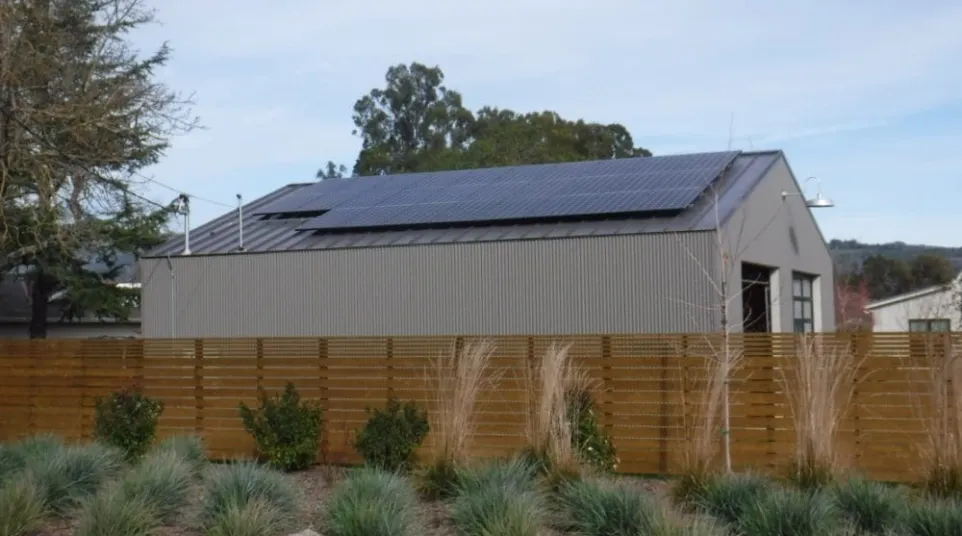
{"points": [[39, 295]]}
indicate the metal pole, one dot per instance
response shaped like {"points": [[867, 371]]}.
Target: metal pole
{"points": [[240, 223], [170, 266]]}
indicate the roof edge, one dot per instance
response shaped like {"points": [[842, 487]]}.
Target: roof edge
{"points": [[914, 294]]}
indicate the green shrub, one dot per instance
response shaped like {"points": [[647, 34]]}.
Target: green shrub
{"points": [[253, 518], [286, 430], [727, 497], [499, 501], [392, 435], [595, 508], [593, 445], [230, 489], [373, 503], [190, 449], [932, 518], [112, 513], [162, 481], [22, 506], [70, 474], [790, 513], [128, 420], [870, 507]]}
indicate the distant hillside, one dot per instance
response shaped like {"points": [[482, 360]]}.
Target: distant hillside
{"points": [[851, 253]]}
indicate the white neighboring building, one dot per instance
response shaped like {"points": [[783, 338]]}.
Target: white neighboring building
{"points": [[933, 309]]}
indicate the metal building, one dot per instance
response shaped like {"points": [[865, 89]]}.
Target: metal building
{"points": [[616, 246]]}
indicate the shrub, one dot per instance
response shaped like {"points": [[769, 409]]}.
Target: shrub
{"points": [[819, 382], [594, 508], [392, 435], [789, 513], [128, 420], [112, 513], [373, 503], [550, 429], [489, 509], [939, 409], [162, 482], [69, 475], [190, 449], [457, 377], [285, 429], [703, 425], [21, 506], [230, 490], [870, 507], [932, 518], [728, 497], [592, 444], [254, 518]]}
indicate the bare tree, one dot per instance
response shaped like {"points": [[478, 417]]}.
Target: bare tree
{"points": [[80, 116]]}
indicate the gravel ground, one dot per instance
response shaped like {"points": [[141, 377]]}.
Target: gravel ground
{"points": [[314, 486]]}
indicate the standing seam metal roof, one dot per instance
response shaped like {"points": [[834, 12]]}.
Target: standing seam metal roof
{"points": [[220, 236]]}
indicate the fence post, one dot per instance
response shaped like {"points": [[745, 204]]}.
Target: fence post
{"points": [[322, 377], [390, 368], [259, 363], [855, 404], [664, 409], [607, 377], [85, 432], [35, 357], [199, 386]]}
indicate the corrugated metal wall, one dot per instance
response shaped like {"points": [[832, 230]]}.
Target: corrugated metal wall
{"points": [[619, 284], [782, 235]]}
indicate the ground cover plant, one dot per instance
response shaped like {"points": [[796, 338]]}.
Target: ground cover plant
{"points": [[869, 507], [500, 499], [728, 497], [371, 502], [249, 491]]}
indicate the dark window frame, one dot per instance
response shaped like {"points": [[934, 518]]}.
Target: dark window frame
{"points": [[928, 325], [803, 297]]}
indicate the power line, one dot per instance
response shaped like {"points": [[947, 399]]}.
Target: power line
{"points": [[97, 176], [178, 191]]}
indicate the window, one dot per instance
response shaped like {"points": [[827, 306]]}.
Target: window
{"points": [[929, 325], [803, 303]]}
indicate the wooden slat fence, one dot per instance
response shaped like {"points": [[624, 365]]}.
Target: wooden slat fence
{"points": [[647, 389]]}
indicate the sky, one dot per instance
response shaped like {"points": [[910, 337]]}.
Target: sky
{"points": [[864, 95]]}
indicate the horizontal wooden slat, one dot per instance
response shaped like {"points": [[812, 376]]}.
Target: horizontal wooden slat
{"points": [[649, 389]]}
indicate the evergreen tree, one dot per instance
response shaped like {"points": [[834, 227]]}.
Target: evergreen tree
{"points": [[81, 115]]}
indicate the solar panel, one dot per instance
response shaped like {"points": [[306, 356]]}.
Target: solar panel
{"points": [[632, 185]]}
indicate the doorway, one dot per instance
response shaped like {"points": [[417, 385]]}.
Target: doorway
{"points": [[756, 298]]}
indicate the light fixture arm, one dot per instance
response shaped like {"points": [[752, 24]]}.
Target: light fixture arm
{"points": [[816, 202]]}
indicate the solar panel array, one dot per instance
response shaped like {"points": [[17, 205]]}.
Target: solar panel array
{"points": [[632, 185]]}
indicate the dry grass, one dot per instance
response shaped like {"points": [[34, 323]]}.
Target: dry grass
{"points": [[819, 382], [458, 378], [706, 418], [942, 452], [548, 425]]}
